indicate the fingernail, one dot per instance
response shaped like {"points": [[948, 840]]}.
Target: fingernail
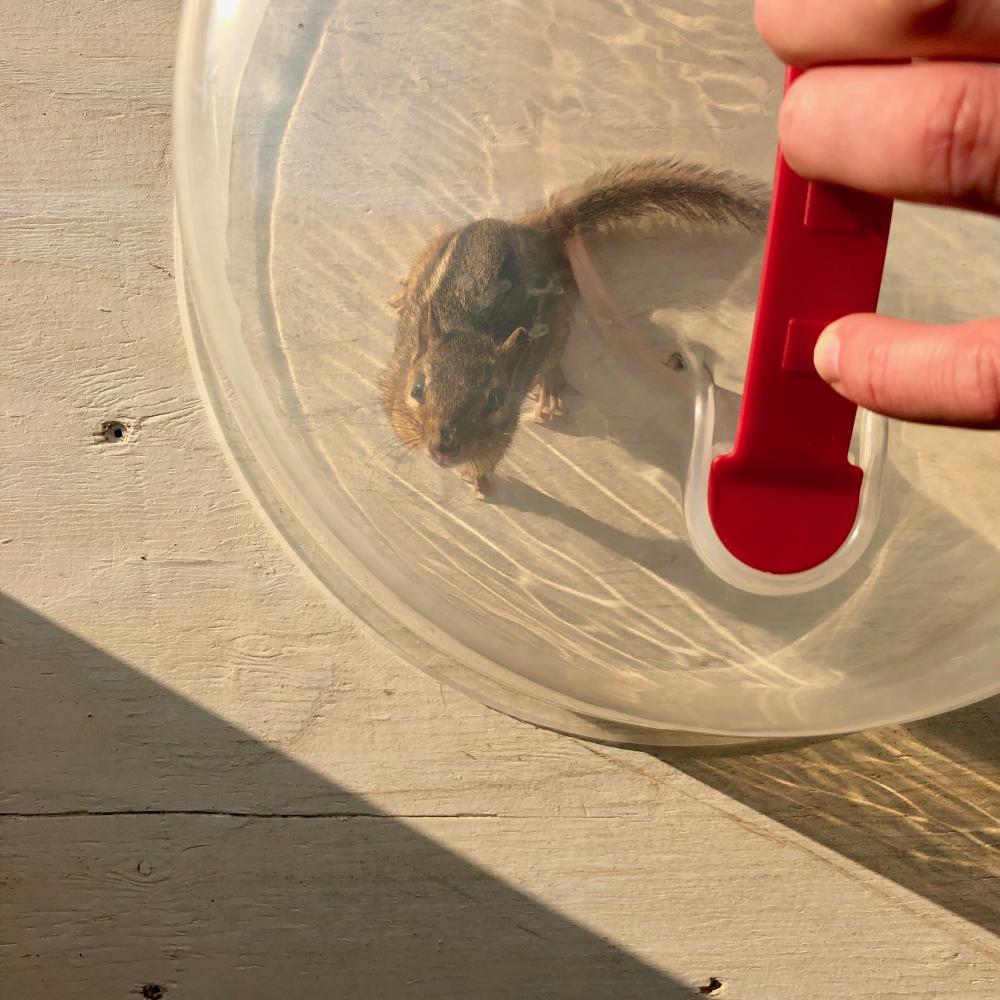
{"points": [[826, 354]]}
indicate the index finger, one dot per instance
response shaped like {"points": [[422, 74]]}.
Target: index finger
{"points": [[807, 32]]}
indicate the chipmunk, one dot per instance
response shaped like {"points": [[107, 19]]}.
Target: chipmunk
{"points": [[483, 315]]}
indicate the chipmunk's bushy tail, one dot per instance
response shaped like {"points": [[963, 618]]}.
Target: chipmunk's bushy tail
{"points": [[645, 191]]}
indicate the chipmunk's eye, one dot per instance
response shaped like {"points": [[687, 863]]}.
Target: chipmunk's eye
{"points": [[493, 402], [417, 392]]}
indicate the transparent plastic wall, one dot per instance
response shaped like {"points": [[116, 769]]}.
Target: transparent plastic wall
{"points": [[321, 146]]}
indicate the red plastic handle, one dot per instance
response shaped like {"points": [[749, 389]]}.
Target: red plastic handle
{"points": [[786, 497]]}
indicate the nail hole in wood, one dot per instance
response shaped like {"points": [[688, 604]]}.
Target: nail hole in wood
{"points": [[713, 987], [114, 431]]}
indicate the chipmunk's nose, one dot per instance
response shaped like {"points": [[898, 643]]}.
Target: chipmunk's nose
{"points": [[444, 448]]}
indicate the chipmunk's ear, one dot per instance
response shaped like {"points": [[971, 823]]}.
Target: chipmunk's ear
{"points": [[512, 349], [518, 339], [427, 328]]}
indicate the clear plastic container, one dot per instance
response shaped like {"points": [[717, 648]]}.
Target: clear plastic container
{"points": [[320, 146]]}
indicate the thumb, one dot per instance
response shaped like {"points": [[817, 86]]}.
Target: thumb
{"points": [[915, 371]]}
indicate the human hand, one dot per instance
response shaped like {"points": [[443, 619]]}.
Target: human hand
{"points": [[927, 132]]}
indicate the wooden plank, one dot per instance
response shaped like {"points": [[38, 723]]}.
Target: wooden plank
{"points": [[213, 906]]}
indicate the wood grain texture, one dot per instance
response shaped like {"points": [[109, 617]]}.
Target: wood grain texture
{"points": [[216, 782]]}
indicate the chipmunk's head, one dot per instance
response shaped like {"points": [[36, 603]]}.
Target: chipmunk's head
{"points": [[455, 402]]}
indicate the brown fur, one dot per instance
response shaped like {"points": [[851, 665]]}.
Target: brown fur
{"points": [[483, 308], [652, 189]]}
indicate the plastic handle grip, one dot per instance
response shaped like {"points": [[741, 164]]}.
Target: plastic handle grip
{"points": [[786, 497]]}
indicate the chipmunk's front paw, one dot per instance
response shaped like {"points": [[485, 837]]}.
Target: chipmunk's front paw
{"points": [[398, 299], [482, 485]]}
